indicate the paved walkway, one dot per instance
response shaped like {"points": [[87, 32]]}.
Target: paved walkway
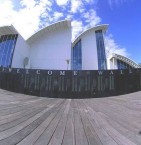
{"points": [[29, 120]]}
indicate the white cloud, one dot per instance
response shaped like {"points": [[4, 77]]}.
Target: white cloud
{"points": [[27, 19], [77, 28], [28, 3], [69, 17], [117, 3], [32, 14], [113, 47], [57, 15], [91, 18], [90, 1], [6, 12], [76, 5], [62, 2]]}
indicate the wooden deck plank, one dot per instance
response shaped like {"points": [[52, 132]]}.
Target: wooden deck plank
{"points": [[58, 135], [80, 136], [68, 138], [30, 120], [33, 137], [24, 132], [95, 134], [124, 131], [17, 128], [47, 135]]}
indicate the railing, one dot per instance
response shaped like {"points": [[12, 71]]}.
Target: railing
{"points": [[70, 84]]}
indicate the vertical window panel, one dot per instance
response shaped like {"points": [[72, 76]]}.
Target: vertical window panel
{"points": [[77, 56], [7, 45], [101, 50], [123, 65], [3, 43]]}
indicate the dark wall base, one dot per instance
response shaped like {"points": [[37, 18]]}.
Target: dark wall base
{"points": [[70, 84]]}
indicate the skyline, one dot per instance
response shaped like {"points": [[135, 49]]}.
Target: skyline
{"points": [[122, 16]]}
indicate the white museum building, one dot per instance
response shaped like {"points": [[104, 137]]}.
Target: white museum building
{"points": [[51, 48]]}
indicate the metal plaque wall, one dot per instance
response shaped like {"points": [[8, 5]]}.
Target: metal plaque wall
{"points": [[70, 84]]}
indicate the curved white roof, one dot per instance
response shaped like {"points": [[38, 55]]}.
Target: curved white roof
{"points": [[5, 30], [125, 59], [103, 27], [55, 26]]}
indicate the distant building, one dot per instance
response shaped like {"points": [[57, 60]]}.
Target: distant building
{"points": [[139, 65], [117, 61], [51, 48]]}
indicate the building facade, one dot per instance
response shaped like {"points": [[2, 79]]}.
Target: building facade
{"points": [[117, 61], [88, 50], [51, 48]]}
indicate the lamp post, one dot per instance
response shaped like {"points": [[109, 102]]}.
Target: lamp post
{"points": [[68, 61]]}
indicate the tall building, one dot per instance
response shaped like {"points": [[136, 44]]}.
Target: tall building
{"points": [[51, 48], [88, 50]]}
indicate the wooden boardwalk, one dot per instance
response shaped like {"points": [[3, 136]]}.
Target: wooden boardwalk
{"points": [[30, 120]]}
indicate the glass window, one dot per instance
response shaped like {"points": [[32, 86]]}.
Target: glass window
{"points": [[77, 56], [123, 65], [101, 50], [7, 45]]}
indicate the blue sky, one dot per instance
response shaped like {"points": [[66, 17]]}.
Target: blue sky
{"points": [[123, 17]]}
